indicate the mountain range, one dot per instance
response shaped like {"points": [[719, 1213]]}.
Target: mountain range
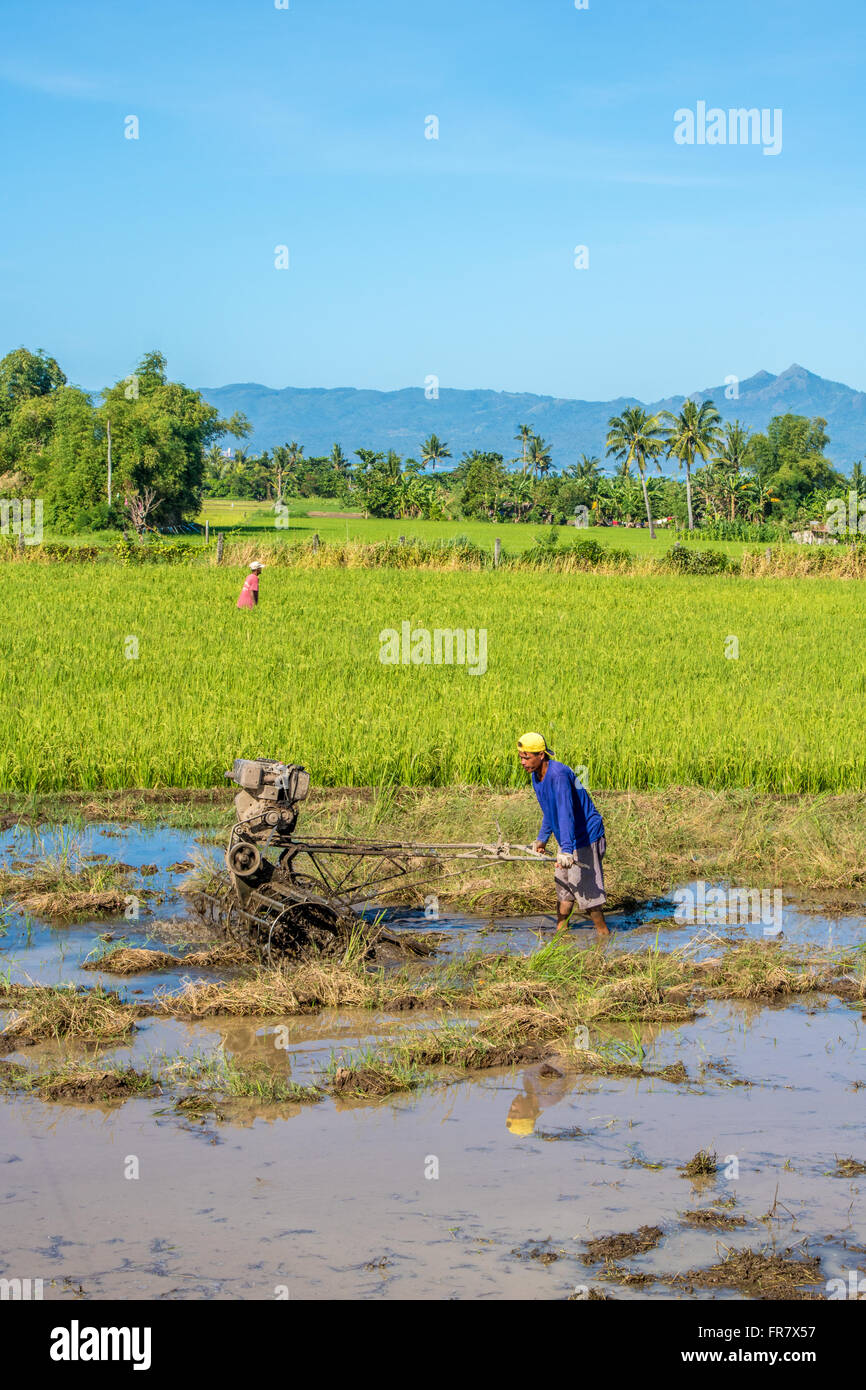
{"points": [[480, 419]]}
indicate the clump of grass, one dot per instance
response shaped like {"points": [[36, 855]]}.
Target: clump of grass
{"points": [[64, 882], [515, 1035], [702, 1165], [717, 1220], [66, 1011], [137, 960], [371, 1073], [221, 1076], [849, 1168], [759, 970], [622, 1246], [271, 991], [83, 1084], [758, 1273]]}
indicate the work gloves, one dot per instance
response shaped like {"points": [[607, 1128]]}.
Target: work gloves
{"points": [[564, 861]]}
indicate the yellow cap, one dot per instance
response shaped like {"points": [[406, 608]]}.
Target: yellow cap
{"points": [[532, 743], [519, 1125]]}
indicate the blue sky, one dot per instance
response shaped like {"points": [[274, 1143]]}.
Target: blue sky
{"points": [[409, 257]]}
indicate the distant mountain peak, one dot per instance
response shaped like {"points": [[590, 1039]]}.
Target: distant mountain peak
{"points": [[319, 417]]}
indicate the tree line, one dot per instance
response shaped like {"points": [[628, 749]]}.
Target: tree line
{"points": [[168, 451]]}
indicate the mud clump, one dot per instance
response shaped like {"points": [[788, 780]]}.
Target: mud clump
{"points": [[622, 1246], [757, 1273], [675, 1072], [93, 1086], [615, 1274], [539, 1253], [716, 1220], [81, 1085]]}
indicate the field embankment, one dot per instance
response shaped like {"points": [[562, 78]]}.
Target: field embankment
{"points": [[656, 839]]}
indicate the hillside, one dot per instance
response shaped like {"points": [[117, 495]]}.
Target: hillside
{"points": [[488, 419]]}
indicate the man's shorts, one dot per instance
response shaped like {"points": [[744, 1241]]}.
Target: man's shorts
{"points": [[583, 883]]}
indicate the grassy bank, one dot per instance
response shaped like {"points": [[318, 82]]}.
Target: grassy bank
{"points": [[655, 840]]}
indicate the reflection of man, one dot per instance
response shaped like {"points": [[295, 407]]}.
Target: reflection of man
{"points": [[538, 1093], [570, 815]]}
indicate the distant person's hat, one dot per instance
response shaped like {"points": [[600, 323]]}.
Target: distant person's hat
{"points": [[256, 565], [533, 743]]}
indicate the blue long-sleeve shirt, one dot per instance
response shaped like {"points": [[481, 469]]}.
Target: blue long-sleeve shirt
{"points": [[568, 809]]}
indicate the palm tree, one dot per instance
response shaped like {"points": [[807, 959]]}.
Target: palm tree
{"points": [[539, 456], [635, 437], [733, 450], [586, 470], [338, 460], [694, 431], [733, 487], [522, 437], [281, 465], [432, 450], [759, 496], [522, 495]]}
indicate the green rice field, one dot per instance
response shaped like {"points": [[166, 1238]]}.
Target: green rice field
{"points": [[256, 520], [627, 675]]}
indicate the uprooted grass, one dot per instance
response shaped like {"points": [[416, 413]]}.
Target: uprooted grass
{"points": [[137, 960], [715, 1220], [581, 986], [621, 1246], [65, 1011], [761, 1274], [849, 1168], [64, 882]]}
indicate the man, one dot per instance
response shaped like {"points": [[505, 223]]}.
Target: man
{"points": [[568, 813]]}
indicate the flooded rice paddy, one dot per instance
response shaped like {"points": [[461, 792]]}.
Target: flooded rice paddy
{"points": [[489, 1186]]}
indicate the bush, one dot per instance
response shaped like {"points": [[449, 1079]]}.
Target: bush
{"points": [[154, 552], [685, 561], [99, 518]]}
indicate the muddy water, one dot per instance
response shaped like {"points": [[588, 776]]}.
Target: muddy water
{"points": [[444, 1193]]}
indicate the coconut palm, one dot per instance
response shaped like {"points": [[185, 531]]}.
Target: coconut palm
{"points": [[733, 449], [694, 432], [636, 437], [539, 457], [586, 470], [432, 450], [338, 460], [522, 437]]}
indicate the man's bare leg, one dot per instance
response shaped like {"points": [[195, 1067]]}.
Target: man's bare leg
{"points": [[563, 912], [598, 921]]}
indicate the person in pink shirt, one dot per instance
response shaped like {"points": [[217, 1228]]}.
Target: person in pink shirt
{"points": [[249, 596]]}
